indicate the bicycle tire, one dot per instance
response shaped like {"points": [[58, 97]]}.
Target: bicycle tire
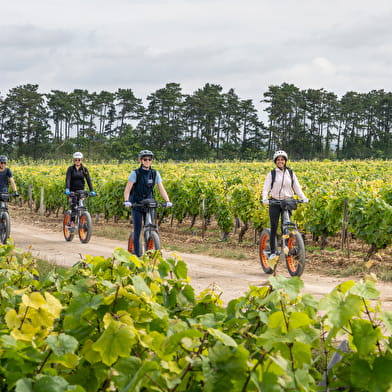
{"points": [[264, 251], [5, 227], [66, 223], [152, 241], [131, 245], [85, 227], [295, 257]]}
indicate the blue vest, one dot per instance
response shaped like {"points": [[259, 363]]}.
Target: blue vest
{"points": [[144, 185]]}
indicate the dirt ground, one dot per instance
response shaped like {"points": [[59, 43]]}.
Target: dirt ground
{"points": [[44, 238]]}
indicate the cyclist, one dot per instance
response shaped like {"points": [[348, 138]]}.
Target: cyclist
{"points": [[6, 177], [76, 175], [140, 186], [280, 185]]}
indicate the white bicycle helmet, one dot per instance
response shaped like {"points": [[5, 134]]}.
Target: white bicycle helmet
{"points": [[78, 155], [145, 153], [3, 158], [280, 153]]}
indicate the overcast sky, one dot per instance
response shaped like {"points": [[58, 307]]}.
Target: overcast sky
{"points": [[248, 45]]}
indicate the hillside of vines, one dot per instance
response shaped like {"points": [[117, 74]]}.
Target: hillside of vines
{"points": [[351, 195]]}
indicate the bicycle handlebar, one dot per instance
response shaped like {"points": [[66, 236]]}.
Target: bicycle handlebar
{"points": [[81, 193], [286, 204], [149, 205], [4, 196], [275, 201]]}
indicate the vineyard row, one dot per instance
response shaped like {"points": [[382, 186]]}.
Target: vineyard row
{"points": [[359, 190]]}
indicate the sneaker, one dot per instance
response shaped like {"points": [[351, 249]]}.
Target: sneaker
{"points": [[272, 256]]}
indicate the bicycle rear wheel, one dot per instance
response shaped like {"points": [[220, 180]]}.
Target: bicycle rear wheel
{"points": [[85, 227], [68, 234], [5, 227], [152, 241], [295, 254], [264, 251]]}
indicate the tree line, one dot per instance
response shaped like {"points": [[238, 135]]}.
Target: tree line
{"points": [[207, 124]]}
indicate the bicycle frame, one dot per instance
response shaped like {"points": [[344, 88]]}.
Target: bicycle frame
{"points": [[291, 243], [5, 221], [149, 230], [83, 221]]}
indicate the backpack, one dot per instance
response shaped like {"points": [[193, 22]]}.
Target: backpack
{"points": [[138, 174], [273, 175]]}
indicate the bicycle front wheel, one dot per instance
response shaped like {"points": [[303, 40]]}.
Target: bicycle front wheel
{"points": [[68, 233], [295, 254], [264, 251], [152, 241], [85, 227], [131, 243], [5, 227]]}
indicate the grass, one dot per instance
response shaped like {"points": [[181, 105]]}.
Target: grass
{"points": [[45, 267]]}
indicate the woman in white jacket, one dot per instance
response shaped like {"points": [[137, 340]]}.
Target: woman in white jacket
{"points": [[282, 185]]}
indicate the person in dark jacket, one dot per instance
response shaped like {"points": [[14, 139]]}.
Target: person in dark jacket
{"points": [[76, 176], [6, 177], [140, 186]]}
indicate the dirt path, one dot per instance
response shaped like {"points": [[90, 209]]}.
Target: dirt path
{"points": [[233, 277]]}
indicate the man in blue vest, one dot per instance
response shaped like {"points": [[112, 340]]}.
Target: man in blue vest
{"points": [[140, 186]]}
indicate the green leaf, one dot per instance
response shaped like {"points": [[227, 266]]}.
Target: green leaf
{"points": [[140, 285], [116, 341], [381, 377], [222, 337], [365, 337], [62, 344], [126, 369], [292, 286], [181, 270], [366, 290], [51, 384], [340, 309], [172, 343], [24, 385], [120, 254], [135, 382], [225, 369], [387, 318]]}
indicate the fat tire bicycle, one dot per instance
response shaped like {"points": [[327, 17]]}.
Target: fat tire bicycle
{"points": [[149, 232], [5, 220], [83, 222], [292, 246]]}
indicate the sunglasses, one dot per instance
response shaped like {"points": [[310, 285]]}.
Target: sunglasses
{"points": [[77, 160], [147, 159], [3, 163]]}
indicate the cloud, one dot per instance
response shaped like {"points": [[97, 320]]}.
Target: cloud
{"points": [[246, 45]]}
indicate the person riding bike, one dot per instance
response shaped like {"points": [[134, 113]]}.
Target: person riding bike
{"points": [[281, 183], [6, 177], [140, 186], [76, 176]]}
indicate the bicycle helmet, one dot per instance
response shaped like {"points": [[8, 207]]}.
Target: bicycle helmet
{"points": [[3, 158], [280, 153], [78, 155], [144, 153]]}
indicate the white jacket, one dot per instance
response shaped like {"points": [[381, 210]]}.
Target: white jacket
{"points": [[282, 186]]}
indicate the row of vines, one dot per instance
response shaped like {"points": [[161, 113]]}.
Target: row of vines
{"points": [[230, 192], [132, 325]]}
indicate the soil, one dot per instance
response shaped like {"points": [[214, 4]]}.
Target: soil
{"points": [[44, 238]]}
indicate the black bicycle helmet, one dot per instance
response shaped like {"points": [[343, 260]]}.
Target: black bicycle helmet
{"points": [[3, 158], [145, 153]]}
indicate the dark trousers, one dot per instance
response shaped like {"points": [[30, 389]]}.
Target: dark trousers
{"points": [[275, 211], [74, 201], [138, 217]]}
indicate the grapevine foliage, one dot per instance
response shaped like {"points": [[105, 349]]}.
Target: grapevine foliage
{"points": [[128, 324]]}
